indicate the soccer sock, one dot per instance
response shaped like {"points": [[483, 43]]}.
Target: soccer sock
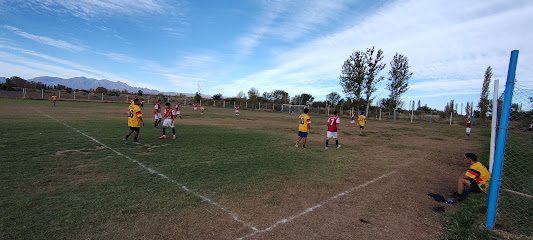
{"points": [[163, 131], [337, 142], [297, 143], [327, 142], [127, 136], [174, 131]]}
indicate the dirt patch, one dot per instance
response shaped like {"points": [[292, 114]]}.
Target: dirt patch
{"points": [[83, 151]]}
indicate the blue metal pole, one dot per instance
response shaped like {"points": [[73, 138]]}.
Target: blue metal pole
{"points": [[394, 114], [472, 120], [431, 117], [500, 144]]}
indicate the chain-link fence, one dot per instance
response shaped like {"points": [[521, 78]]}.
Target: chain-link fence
{"points": [[515, 204]]}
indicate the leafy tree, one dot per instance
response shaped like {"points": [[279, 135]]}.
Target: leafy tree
{"points": [[101, 90], [267, 96], [484, 100], [333, 98], [217, 96], [353, 76], [399, 76], [418, 107], [253, 94], [372, 59], [197, 97], [467, 109], [302, 99], [140, 92], [280, 96]]}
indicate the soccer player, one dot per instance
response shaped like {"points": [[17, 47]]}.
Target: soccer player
{"points": [[362, 121], [177, 110], [54, 99], [333, 128], [468, 126], [304, 125], [142, 103], [134, 121], [352, 120], [157, 113], [236, 110], [202, 110], [169, 121], [476, 178], [195, 106]]}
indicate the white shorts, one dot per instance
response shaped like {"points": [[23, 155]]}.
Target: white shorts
{"points": [[468, 130], [177, 112], [331, 134], [236, 111], [352, 121], [195, 108], [157, 116], [168, 123]]}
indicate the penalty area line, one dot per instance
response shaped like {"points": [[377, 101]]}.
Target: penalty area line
{"points": [[308, 210], [152, 171]]}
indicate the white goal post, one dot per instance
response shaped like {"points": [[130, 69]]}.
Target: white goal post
{"points": [[289, 108]]}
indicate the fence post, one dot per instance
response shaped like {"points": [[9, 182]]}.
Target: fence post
{"points": [[431, 117], [395, 114], [494, 185], [451, 115], [380, 114], [493, 126], [74, 95], [102, 97], [42, 93], [59, 95]]}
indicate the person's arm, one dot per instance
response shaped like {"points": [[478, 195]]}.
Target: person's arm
{"points": [[308, 127], [141, 119]]}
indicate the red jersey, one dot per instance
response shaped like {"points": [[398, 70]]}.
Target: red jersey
{"points": [[236, 108], [157, 108], [169, 113], [332, 123], [178, 107], [468, 124]]}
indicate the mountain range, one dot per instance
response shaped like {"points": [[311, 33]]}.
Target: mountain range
{"points": [[88, 83]]}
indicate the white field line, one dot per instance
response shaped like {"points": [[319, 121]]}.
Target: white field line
{"points": [[152, 171], [308, 210]]}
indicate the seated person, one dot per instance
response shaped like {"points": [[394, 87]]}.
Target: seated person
{"points": [[476, 179]]}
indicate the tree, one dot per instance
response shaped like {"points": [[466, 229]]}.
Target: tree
{"points": [[484, 100], [374, 67], [268, 96], [419, 105], [333, 98], [467, 109], [197, 97], [280, 96], [353, 76], [399, 76], [140, 92], [101, 90], [241, 96], [253, 94], [302, 99], [217, 96]]}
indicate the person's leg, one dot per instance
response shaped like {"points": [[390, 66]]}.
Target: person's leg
{"points": [[128, 134], [337, 142], [136, 136], [173, 133], [461, 184], [327, 142], [298, 141], [305, 140], [164, 128]]}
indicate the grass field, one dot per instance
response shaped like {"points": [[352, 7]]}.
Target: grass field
{"points": [[65, 173]]}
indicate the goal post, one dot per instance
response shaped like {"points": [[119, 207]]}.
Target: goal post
{"points": [[289, 108]]}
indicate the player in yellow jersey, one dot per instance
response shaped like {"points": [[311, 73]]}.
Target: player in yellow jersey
{"points": [[304, 125], [476, 179], [362, 121], [54, 99], [135, 118]]}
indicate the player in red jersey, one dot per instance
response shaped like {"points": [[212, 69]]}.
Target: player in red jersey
{"points": [[195, 106], [169, 121], [157, 113], [333, 128], [468, 126], [177, 110], [352, 120], [236, 110]]}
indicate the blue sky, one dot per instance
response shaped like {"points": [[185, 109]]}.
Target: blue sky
{"points": [[297, 46]]}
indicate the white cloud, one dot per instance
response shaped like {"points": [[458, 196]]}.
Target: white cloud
{"points": [[447, 42], [46, 40]]}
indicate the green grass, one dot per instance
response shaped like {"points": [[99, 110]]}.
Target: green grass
{"points": [[57, 183]]}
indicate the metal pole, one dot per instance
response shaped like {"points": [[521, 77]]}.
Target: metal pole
{"points": [[494, 185], [431, 117], [451, 115], [394, 114], [59, 94], [74, 95], [494, 119], [42, 93], [380, 114], [102, 97]]}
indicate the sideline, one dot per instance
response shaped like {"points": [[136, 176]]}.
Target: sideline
{"points": [[308, 210], [152, 171]]}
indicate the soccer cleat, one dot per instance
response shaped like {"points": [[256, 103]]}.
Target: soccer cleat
{"points": [[174, 137], [303, 146], [163, 137], [296, 145], [136, 143], [125, 141], [326, 147], [339, 146]]}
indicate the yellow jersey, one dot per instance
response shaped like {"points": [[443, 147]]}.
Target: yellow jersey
{"points": [[54, 98], [304, 120], [362, 120], [480, 174], [134, 112]]}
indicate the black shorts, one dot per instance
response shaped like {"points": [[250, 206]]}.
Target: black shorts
{"points": [[361, 126], [135, 129], [474, 187]]}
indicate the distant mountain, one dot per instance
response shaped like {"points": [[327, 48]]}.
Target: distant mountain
{"points": [[87, 83]]}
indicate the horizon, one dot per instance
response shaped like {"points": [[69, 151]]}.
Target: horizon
{"points": [[295, 46]]}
